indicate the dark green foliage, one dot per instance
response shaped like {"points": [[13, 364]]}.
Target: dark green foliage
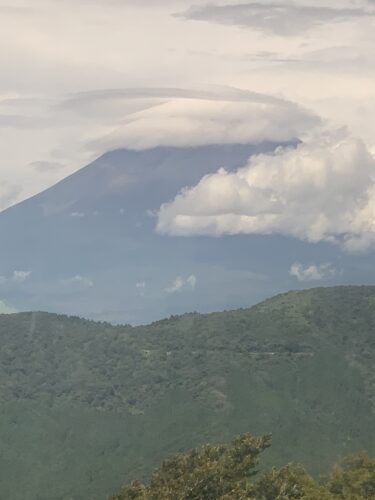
{"points": [[85, 406]]}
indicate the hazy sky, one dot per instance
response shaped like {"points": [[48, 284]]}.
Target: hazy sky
{"points": [[80, 77]]}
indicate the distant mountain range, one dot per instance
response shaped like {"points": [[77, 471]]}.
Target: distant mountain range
{"points": [[87, 406], [88, 245]]}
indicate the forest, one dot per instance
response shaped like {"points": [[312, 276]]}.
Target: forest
{"points": [[87, 406]]}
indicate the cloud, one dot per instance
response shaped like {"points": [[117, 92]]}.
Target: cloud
{"points": [[312, 272], [21, 276], [323, 190], [13, 10], [199, 119], [79, 280], [16, 277], [181, 284], [140, 98], [64, 69], [136, 118], [16, 121], [47, 166], [285, 19], [6, 309], [328, 60], [192, 281], [141, 287], [9, 194]]}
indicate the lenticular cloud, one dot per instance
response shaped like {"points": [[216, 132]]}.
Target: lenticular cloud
{"points": [[200, 119]]}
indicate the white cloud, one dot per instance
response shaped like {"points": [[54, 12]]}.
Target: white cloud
{"points": [[141, 287], [9, 193], [79, 280], [192, 281], [181, 284], [323, 190], [188, 121], [16, 277], [177, 285], [312, 272], [21, 276], [6, 309]]}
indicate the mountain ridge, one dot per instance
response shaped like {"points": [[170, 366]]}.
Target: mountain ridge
{"points": [[262, 304], [89, 246], [105, 403]]}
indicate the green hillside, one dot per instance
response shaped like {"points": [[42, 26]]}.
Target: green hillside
{"points": [[86, 407]]}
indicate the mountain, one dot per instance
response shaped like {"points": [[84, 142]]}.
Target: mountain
{"points": [[87, 246], [87, 406]]}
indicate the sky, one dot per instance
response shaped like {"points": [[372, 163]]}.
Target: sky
{"points": [[82, 77]]}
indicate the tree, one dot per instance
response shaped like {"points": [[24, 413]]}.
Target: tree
{"points": [[229, 472], [211, 472], [290, 482], [353, 478]]}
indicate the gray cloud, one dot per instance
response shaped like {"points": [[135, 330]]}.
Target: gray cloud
{"points": [[17, 121], [15, 10], [276, 18], [326, 59], [143, 3], [47, 166]]}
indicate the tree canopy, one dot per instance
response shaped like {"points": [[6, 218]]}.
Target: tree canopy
{"points": [[231, 472]]}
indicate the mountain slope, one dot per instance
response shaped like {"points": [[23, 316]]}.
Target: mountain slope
{"points": [[88, 245], [86, 406]]}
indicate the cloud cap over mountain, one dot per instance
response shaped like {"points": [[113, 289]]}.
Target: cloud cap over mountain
{"points": [[61, 61], [210, 118]]}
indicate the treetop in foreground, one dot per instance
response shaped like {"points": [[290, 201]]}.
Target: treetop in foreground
{"points": [[230, 472]]}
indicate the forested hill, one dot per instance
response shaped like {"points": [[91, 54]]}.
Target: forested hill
{"points": [[86, 406]]}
